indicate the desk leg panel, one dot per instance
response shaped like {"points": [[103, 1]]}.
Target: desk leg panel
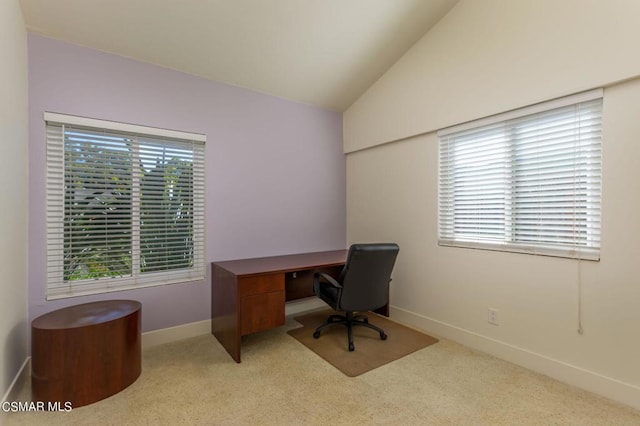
{"points": [[225, 320]]}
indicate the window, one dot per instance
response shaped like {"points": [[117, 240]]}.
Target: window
{"points": [[525, 181], [125, 206]]}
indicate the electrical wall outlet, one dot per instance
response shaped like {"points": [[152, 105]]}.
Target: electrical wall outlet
{"points": [[492, 316]]}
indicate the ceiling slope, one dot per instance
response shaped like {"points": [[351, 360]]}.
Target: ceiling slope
{"points": [[320, 52]]}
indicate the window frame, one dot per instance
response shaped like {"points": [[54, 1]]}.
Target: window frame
{"points": [[512, 225], [57, 287]]}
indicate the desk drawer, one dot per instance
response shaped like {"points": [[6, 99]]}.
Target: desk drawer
{"points": [[260, 284], [261, 312]]}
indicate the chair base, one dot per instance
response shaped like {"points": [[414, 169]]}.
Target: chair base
{"points": [[349, 320]]}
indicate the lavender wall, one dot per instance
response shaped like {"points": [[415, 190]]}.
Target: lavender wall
{"points": [[275, 170]]}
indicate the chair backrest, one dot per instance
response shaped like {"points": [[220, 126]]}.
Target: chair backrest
{"points": [[366, 276]]}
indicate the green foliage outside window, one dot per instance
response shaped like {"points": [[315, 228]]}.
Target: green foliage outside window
{"points": [[101, 197]]}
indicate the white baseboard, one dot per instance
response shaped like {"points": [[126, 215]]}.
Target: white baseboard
{"points": [[608, 387], [172, 334], [18, 382], [185, 331]]}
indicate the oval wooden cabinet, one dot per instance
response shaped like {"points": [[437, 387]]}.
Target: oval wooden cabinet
{"points": [[85, 353]]}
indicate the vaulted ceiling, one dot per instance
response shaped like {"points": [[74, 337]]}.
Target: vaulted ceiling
{"points": [[320, 52]]}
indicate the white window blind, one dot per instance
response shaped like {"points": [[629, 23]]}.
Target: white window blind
{"points": [[525, 181], [125, 206]]}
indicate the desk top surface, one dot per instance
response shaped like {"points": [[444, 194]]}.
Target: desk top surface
{"points": [[286, 263]]}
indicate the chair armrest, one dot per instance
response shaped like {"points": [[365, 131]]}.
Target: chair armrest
{"points": [[325, 277], [328, 278]]}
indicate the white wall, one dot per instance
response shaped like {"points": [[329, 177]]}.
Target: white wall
{"points": [[490, 56], [13, 174], [392, 188]]}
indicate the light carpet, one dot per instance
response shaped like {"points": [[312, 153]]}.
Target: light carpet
{"points": [[281, 382]]}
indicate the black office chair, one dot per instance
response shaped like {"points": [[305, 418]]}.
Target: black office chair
{"points": [[363, 285]]}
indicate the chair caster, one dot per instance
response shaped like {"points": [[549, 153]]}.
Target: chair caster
{"points": [[351, 347], [383, 336], [316, 334]]}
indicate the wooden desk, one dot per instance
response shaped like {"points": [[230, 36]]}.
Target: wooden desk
{"points": [[249, 295], [85, 353]]}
